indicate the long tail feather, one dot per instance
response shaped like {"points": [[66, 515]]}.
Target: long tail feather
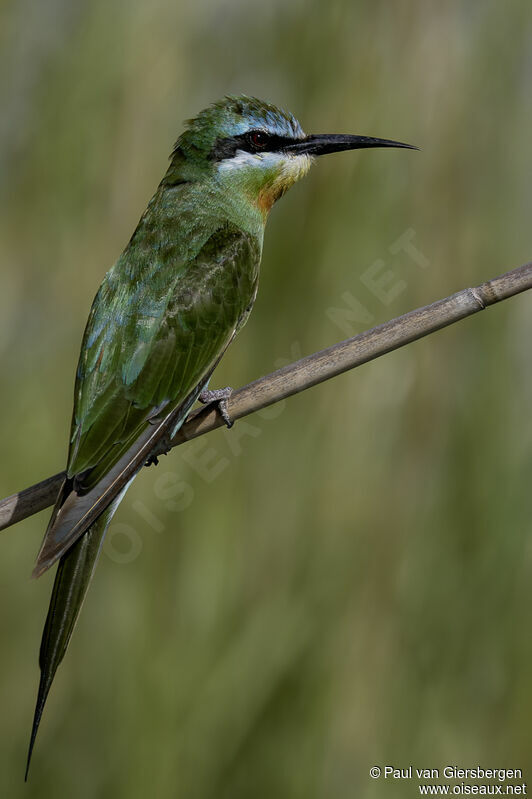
{"points": [[72, 580], [76, 567]]}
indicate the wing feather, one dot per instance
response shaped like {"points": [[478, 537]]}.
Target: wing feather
{"points": [[143, 353]]}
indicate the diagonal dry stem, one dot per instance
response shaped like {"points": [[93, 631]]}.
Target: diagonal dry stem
{"points": [[307, 372]]}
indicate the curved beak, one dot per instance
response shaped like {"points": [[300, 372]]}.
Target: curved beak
{"points": [[322, 143]]}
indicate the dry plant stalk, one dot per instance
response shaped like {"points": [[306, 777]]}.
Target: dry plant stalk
{"points": [[307, 372]]}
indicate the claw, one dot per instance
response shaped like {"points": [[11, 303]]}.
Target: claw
{"points": [[219, 397], [163, 448]]}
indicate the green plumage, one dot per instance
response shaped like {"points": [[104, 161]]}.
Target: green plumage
{"points": [[73, 577], [162, 319], [152, 338]]}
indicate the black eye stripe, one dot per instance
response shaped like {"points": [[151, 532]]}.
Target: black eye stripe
{"points": [[227, 147]]}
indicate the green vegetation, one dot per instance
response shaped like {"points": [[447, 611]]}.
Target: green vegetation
{"points": [[339, 583]]}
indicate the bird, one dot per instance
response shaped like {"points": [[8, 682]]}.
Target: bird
{"points": [[161, 320]]}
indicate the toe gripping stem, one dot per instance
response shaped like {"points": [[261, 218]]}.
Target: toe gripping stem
{"points": [[218, 397]]}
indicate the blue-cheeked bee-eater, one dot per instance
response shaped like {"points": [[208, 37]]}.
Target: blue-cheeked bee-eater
{"points": [[162, 319]]}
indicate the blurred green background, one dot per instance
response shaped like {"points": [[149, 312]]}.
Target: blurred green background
{"points": [[340, 582]]}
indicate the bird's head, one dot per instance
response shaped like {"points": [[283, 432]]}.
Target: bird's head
{"points": [[255, 149]]}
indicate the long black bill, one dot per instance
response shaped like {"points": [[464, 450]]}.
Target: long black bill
{"points": [[322, 143]]}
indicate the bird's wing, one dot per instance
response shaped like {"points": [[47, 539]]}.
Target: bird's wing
{"points": [[149, 346]]}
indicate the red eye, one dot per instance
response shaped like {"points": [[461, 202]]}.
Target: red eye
{"points": [[258, 138]]}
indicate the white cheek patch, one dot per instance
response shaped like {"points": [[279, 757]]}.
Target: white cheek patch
{"points": [[289, 168], [239, 160]]}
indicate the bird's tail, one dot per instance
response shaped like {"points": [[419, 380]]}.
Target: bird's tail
{"points": [[72, 580]]}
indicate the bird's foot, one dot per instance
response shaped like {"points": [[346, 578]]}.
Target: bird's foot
{"points": [[163, 448], [218, 397]]}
